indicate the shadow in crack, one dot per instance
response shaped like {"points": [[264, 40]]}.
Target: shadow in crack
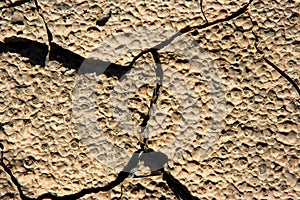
{"points": [[37, 54], [74, 61], [35, 51], [180, 190], [15, 4], [154, 160]]}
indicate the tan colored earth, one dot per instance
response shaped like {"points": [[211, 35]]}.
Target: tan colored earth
{"points": [[248, 148]]}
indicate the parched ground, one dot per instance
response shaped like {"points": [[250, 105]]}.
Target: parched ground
{"points": [[248, 148]]}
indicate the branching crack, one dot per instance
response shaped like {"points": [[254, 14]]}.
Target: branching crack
{"points": [[189, 28], [154, 160], [179, 190]]}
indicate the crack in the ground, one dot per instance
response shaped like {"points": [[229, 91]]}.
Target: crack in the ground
{"points": [[282, 73], [139, 156], [180, 191], [120, 178], [64, 56], [49, 34], [189, 28], [15, 4], [156, 92], [201, 8]]}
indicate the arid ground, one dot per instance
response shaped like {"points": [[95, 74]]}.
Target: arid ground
{"points": [[233, 134]]}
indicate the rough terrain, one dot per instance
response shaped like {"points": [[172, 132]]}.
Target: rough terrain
{"points": [[254, 46]]}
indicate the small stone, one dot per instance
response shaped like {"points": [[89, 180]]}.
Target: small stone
{"points": [[216, 85], [262, 169]]}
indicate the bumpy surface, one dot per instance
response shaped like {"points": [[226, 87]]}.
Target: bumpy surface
{"points": [[248, 150]]}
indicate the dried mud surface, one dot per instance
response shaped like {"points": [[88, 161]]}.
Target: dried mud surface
{"points": [[254, 46]]}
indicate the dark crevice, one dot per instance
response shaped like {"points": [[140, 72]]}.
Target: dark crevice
{"points": [[15, 4], [74, 61], [64, 56], [201, 8], [8, 171], [180, 190], [236, 14], [154, 51], [24, 47], [53, 51], [13, 178], [49, 34], [188, 28], [282, 73], [156, 92]]}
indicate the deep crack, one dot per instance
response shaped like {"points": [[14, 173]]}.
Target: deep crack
{"points": [[180, 190], [64, 56]]}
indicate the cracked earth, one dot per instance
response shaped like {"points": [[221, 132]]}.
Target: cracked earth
{"points": [[254, 45]]}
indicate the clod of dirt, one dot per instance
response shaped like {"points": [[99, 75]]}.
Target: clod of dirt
{"points": [[17, 18]]}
